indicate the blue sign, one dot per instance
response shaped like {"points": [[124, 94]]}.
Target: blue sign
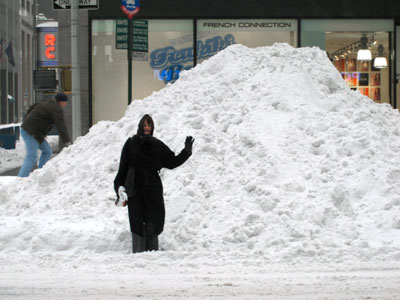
{"points": [[169, 62], [130, 7]]}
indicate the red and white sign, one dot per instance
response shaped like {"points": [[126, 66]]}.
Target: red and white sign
{"points": [[130, 7]]}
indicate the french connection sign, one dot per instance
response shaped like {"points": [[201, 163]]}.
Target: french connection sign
{"points": [[247, 25]]}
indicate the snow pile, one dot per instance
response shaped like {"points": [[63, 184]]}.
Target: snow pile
{"points": [[287, 162]]}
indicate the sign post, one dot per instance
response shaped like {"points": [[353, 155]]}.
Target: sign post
{"points": [[130, 44], [76, 85], [130, 8]]}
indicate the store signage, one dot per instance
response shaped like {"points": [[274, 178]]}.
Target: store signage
{"points": [[169, 55], [47, 46], [248, 25], [50, 43], [130, 7], [140, 37], [83, 4], [169, 62]]}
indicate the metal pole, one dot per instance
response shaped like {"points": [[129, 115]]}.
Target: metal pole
{"points": [[34, 52], [130, 46], [76, 87]]}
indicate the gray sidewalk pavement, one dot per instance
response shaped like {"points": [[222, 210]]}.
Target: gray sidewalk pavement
{"points": [[11, 172], [14, 172]]}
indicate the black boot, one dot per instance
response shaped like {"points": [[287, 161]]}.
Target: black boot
{"points": [[151, 237], [138, 243], [152, 243]]}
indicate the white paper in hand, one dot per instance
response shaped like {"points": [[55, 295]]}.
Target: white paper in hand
{"points": [[123, 197]]}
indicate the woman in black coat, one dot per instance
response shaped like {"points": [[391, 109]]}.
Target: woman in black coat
{"points": [[138, 180]]}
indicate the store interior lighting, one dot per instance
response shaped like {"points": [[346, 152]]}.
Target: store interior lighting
{"points": [[353, 48], [364, 54], [380, 62]]}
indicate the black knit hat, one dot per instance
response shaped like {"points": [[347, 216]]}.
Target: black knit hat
{"points": [[61, 97]]}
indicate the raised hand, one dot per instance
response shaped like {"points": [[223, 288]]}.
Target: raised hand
{"points": [[189, 144]]}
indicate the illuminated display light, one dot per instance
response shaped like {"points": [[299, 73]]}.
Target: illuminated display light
{"points": [[364, 53], [380, 62]]}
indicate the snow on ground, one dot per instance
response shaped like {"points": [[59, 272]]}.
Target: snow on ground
{"points": [[291, 193], [13, 158]]}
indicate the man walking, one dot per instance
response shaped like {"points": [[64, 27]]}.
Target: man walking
{"points": [[37, 123]]}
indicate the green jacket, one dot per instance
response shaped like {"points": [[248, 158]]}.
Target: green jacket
{"points": [[40, 118]]}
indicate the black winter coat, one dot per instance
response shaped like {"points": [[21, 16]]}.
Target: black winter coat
{"points": [[146, 155]]}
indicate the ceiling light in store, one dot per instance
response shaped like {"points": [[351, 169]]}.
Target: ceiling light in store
{"points": [[364, 53], [380, 62]]}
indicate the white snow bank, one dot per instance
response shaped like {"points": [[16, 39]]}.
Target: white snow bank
{"points": [[288, 163]]}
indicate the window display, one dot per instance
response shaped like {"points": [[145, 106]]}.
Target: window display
{"points": [[360, 75], [343, 41]]}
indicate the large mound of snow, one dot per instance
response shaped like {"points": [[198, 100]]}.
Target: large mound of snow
{"points": [[288, 161]]}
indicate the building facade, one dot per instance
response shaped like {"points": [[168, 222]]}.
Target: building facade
{"points": [[27, 56], [17, 44], [171, 36]]}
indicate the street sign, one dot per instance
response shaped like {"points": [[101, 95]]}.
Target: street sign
{"points": [[83, 4], [140, 37]]}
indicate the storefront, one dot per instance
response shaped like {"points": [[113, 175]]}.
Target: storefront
{"points": [[343, 40], [169, 45], [165, 43]]}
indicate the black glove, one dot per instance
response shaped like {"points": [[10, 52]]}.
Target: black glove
{"points": [[189, 144]]}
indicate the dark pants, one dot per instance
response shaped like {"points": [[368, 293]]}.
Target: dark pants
{"points": [[147, 242]]}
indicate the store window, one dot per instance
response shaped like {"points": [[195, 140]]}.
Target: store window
{"points": [[343, 39], [162, 49], [170, 51], [217, 34]]}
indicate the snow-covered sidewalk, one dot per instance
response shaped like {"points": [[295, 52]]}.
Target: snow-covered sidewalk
{"points": [[191, 276], [13, 158]]}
